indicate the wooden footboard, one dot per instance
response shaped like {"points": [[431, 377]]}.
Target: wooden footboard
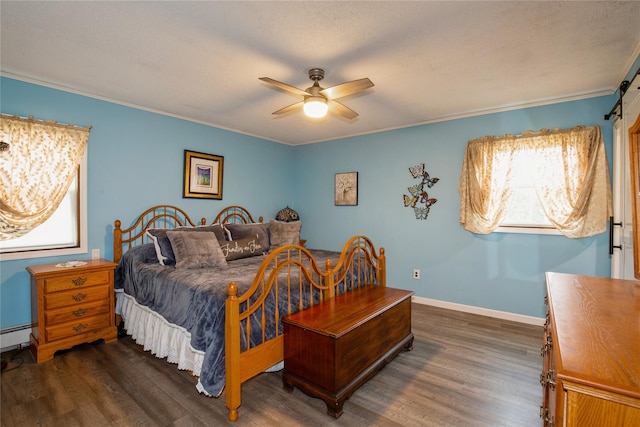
{"points": [[361, 264], [358, 265], [243, 364]]}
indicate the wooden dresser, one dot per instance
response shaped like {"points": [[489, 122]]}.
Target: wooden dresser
{"points": [[333, 348], [72, 305], [591, 352]]}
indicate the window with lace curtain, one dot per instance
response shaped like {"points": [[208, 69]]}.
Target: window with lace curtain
{"points": [[42, 188], [549, 179]]}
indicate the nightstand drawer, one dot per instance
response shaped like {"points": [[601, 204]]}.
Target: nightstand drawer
{"points": [[75, 281], [76, 296], [76, 312], [78, 327]]}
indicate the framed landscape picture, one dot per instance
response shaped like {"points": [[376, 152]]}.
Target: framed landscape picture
{"points": [[202, 175], [346, 189]]}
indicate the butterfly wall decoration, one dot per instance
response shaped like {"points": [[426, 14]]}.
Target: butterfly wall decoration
{"points": [[417, 193]]}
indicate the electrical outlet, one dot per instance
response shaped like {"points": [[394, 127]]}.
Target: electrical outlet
{"points": [[416, 273], [95, 253]]}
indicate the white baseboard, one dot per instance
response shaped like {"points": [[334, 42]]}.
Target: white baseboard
{"points": [[505, 315], [11, 338]]}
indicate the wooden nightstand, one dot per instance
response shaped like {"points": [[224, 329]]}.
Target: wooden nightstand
{"points": [[72, 305]]}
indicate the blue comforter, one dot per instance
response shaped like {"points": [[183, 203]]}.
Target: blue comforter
{"points": [[195, 300]]}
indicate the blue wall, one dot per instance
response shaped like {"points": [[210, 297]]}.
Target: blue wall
{"points": [[498, 271], [135, 161]]}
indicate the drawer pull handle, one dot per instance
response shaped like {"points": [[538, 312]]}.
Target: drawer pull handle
{"points": [[79, 312], [80, 327], [79, 297], [551, 379], [544, 414], [79, 281]]}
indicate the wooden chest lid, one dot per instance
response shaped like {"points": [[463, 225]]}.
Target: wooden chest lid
{"points": [[337, 316]]}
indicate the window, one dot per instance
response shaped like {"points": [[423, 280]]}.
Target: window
{"points": [[64, 233], [525, 213], [566, 171]]}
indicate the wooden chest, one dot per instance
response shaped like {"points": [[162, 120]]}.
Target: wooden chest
{"points": [[333, 348], [71, 305]]}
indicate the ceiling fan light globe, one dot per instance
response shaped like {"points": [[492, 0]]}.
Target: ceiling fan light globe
{"points": [[315, 107]]}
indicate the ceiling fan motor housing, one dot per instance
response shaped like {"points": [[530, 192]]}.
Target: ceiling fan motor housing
{"points": [[316, 74]]}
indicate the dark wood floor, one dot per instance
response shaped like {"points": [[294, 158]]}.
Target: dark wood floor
{"points": [[464, 370]]}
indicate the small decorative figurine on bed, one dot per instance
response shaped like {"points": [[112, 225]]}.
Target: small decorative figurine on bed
{"points": [[417, 192]]}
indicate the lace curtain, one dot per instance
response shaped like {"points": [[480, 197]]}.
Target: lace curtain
{"points": [[568, 168], [38, 163]]}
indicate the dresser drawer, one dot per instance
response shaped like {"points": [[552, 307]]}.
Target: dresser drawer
{"points": [[75, 281], [76, 296], [77, 327], [76, 312]]}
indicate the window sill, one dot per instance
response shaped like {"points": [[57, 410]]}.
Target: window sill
{"points": [[11, 256], [529, 230]]}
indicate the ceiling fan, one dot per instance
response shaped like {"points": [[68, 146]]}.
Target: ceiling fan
{"points": [[316, 100]]}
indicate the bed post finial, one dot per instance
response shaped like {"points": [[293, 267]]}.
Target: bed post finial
{"points": [[232, 289]]}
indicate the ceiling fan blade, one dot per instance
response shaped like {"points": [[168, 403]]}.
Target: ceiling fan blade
{"points": [[342, 110], [289, 108], [348, 88], [291, 89]]}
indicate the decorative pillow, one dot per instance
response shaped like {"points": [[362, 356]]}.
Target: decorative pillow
{"points": [[222, 234], [195, 249], [242, 248], [284, 233], [244, 231], [164, 251]]}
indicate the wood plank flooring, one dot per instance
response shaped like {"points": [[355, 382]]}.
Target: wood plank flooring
{"points": [[464, 370]]}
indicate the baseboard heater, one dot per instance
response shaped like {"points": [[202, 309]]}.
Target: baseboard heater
{"points": [[15, 336]]}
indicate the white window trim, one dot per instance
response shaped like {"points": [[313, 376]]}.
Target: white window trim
{"points": [[83, 248], [529, 230]]}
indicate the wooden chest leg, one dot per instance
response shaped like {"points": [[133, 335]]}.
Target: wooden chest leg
{"points": [[287, 385], [334, 407]]}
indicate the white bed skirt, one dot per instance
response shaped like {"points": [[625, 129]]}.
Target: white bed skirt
{"points": [[155, 334], [162, 338]]}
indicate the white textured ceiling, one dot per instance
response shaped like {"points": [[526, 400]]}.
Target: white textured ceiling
{"points": [[429, 60]]}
